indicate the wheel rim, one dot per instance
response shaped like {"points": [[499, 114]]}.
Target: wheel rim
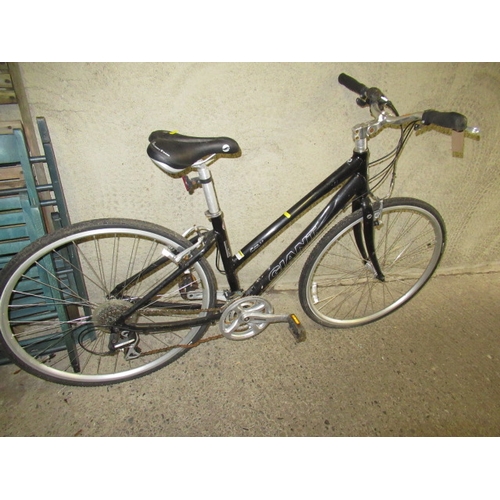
{"points": [[344, 292], [101, 258]]}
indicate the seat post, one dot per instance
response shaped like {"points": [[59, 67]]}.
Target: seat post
{"points": [[209, 191]]}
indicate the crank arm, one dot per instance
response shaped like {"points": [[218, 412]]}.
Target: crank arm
{"points": [[294, 325], [268, 318]]}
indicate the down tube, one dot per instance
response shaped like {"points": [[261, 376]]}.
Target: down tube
{"points": [[338, 202]]}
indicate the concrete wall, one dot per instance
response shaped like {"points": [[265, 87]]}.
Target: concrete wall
{"points": [[293, 123]]}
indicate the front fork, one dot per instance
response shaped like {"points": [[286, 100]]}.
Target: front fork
{"points": [[364, 235]]}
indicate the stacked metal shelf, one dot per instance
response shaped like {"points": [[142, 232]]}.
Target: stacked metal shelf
{"points": [[31, 205]]}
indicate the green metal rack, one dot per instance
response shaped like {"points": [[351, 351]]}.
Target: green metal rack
{"points": [[31, 205]]}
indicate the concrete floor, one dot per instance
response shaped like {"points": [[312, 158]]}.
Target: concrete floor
{"points": [[430, 369]]}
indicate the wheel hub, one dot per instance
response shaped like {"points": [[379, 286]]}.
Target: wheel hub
{"points": [[106, 314]]}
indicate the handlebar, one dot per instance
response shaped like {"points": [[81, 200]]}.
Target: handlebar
{"points": [[352, 84], [452, 120], [376, 100]]}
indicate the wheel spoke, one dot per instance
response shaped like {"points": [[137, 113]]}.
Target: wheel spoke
{"points": [[57, 312], [338, 288]]}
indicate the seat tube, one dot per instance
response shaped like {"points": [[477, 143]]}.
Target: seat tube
{"points": [[216, 217]]}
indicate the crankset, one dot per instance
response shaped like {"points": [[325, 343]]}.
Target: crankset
{"points": [[246, 317]]}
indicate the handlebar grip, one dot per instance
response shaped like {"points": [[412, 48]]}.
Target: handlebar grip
{"points": [[352, 84], [452, 120]]}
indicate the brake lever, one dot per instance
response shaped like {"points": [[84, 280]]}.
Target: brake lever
{"points": [[362, 102]]}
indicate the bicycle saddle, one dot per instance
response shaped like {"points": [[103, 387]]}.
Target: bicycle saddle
{"points": [[173, 152]]}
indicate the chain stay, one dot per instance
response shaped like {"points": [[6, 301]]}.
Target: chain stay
{"points": [[256, 315], [182, 346], [160, 312]]}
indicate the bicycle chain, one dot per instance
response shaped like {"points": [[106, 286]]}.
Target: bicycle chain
{"points": [[183, 346], [159, 312]]}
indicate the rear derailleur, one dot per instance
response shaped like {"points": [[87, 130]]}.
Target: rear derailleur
{"points": [[125, 341]]}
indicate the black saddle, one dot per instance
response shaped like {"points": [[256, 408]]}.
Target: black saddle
{"points": [[179, 151]]}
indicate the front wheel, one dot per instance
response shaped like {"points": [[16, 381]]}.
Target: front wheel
{"points": [[338, 288], [62, 295]]}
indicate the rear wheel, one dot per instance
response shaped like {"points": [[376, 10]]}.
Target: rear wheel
{"points": [[338, 288], [62, 294]]}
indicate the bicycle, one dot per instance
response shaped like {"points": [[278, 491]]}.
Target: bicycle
{"points": [[109, 300]]}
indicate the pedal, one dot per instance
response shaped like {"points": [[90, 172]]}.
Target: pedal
{"points": [[295, 326]]}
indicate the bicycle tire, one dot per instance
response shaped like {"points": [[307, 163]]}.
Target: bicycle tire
{"points": [[338, 289], [56, 303]]}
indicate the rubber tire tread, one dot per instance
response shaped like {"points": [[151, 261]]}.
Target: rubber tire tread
{"points": [[338, 228], [96, 224]]}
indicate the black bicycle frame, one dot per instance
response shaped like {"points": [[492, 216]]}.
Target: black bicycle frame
{"points": [[354, 173]]}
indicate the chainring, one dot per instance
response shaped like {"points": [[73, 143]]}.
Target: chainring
{"points": [[236, 322]]}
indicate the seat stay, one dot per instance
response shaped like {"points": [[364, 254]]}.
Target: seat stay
{"points": [[179, 271]]}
